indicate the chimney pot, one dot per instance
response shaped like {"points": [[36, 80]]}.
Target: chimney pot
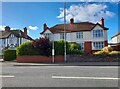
{"points": [[25, 32], [45, 27], [102, 22], [71, 21]]}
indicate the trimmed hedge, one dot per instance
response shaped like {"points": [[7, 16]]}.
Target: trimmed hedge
{"points": [[59, 47], [27, 48], [9, 55]]}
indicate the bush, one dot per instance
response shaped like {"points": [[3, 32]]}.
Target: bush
{"points": [[59, 47], [44, 45], [74, 48], [107, 49], [114, 53], [9, 55], [100, 53], [27, 48]]}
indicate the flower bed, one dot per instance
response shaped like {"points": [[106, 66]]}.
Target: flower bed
{"points": [[39, 59]]}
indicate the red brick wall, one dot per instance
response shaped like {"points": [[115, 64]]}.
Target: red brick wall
{"points": [[106, 43], [88, 47], [37, 59]]}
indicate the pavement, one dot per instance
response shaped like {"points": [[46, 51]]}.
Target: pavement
{"points": [[14, 63]]}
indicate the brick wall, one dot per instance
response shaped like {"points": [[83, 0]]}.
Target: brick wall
{"points": [[37, 59]]}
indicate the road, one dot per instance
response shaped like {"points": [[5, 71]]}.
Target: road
{"points": [[59, 76]]}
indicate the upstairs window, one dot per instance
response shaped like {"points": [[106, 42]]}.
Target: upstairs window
{"points": [[97, 33], [79, 35], [48, 35]]}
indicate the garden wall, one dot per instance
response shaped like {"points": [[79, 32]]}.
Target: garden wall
{"points": [[70, 58], [93, 58], [37, 59]]}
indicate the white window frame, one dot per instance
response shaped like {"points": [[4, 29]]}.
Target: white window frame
{"points": [[48, 35], [62, 36], [79, 35], [98, 45], [82, 45], [98, 33]]}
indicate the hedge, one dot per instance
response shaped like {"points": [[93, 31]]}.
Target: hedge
{"points": [[9, 55], [26, 48]]}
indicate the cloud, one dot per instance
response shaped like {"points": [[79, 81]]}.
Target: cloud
{"points": [[86, 12], [33, 27], [2, 27]]}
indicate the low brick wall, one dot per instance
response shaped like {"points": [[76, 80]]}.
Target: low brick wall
{"points": [[93, 58], [38, 59]]}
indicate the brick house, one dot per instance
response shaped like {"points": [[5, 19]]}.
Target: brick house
{"points": [[12, 38], [91, 36]]}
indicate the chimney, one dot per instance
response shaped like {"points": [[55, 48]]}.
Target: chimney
{"points": [[25, 32], [45, 27], [7, 28], [102, 22], [71, 21]]}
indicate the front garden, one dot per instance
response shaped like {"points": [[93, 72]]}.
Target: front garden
{"points": [[40, 50]]}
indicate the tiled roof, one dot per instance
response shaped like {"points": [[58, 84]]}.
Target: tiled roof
{"points": [[116, 35], [75, 27], [17, 33]]}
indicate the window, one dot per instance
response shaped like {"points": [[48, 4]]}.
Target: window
{"points": [[62, 36], [98, 45], [48, 35], [79, 35], [97, 33], [82, 46]]}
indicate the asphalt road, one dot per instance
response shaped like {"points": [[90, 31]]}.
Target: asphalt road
{"points": [[59, 76]]}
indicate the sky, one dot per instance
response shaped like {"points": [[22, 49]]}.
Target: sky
{"points": [[33, 15]]}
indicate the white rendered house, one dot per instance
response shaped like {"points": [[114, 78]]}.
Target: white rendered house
{"points": [[91, 36]]}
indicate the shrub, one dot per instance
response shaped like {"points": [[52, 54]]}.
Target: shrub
{"points": [[100, 53], [114, 53], [9, 55], [27, 48], [44, 45], [59, 47], [75, 48], [107, 49]]}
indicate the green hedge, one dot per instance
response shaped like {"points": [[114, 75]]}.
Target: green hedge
{"points": [[9, 55], [37, 48], [75, 48], [59, 47], [26, 48]]}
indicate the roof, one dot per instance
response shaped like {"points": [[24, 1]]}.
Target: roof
{"points": [[116, 35], [75, 27], [17, 33]]}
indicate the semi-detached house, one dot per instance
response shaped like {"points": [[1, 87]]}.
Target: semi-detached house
{"points": [[91, 36]]}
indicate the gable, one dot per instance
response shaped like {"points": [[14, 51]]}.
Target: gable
{"points": [[97, 27], [47, 31]]}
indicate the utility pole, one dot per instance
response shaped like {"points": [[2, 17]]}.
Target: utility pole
{"points": [[65, 31]]}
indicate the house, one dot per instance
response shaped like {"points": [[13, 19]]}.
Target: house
{"points": [[12, 38], [91, 36], [115, 42]]}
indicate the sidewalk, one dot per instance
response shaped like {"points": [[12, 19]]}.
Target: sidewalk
{"points": [[65, 64]]}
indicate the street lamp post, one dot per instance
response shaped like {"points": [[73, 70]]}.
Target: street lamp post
{"points": [[53, 52], [65, 31]]}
